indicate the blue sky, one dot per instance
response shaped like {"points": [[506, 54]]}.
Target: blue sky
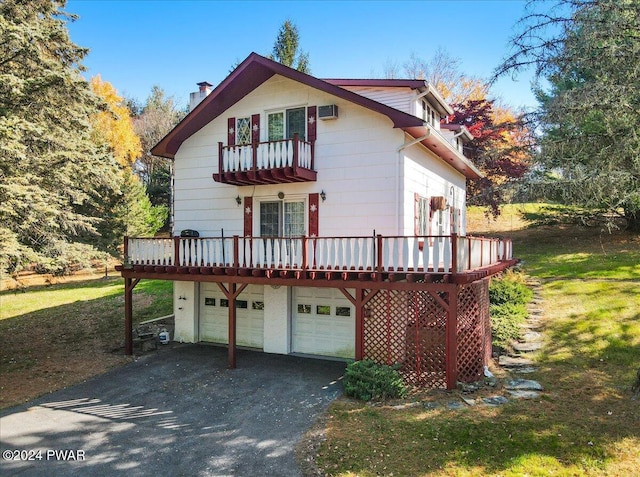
{"points": [[175, 44]]}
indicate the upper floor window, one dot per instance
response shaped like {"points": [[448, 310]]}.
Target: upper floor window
{"points": [[243, 130], [284, 124], [429, 114]]}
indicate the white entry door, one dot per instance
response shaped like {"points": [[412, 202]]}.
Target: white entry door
{"points": [[214, 316], [323, 323]]}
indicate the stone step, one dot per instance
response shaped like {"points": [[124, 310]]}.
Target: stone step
{"points": [[523, 385], [524, 394], [526, 347], [530, 337], [523, 369], [533, 325], [514, 361]]}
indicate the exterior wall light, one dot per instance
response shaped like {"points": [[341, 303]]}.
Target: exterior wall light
{"points": [[238, 200], [323, 195]]}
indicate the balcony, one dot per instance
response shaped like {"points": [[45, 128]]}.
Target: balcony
{"points": [[270, 162], [453, 259]]}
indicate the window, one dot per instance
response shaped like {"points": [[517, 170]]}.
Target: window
{"points": [[243, 131], [282, 218], [284, 124], [429, 114], [343, 311], [422, 216]]}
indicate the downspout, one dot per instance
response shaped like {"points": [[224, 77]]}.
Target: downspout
{"points": [[398, 167]]}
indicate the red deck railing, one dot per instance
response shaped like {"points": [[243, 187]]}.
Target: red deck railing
{"points": [[437, 254]]}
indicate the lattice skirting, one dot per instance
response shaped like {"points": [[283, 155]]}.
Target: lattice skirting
{"points": [[409, 329]]}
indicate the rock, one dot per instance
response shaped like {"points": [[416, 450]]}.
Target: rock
{"points": [[468, 387], [492, 381], [495, 400], [531, 336], [430, 405], [531, 325], [524, 369], [535, 311], [517, 394], [523, 385], [526, 347], [514, 361], [468, 401], [455, 405]]}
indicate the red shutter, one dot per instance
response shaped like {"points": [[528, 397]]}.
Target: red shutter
{"points": [[231, 132], [255, 128], [312, 120], [314, 212], [248, 216]]}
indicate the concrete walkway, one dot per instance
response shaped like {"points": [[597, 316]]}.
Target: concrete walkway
{"points": [[176, 412]]}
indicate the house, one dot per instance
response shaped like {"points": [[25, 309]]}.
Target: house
{"points": [[324, 218]]}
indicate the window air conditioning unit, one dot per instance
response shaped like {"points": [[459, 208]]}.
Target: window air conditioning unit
{"points": [[328, 112]]}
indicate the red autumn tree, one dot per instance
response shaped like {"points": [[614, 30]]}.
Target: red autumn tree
{"points": [[500, 149]]}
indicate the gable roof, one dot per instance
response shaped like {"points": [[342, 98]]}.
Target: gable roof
{"points": [[253, 72]]}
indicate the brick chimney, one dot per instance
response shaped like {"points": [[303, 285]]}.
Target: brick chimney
{"points": [[196, 98]]}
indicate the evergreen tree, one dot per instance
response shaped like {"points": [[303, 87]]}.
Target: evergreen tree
{"points": [[589, 115], [286, 48], [53, 177]]}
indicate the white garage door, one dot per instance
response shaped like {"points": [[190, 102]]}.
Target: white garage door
{"points": [[323, 323], [214, 316]]}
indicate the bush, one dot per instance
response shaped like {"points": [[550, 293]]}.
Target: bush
{"points": [[508, 297], [510, 288], [366, 380], [505, 319]]}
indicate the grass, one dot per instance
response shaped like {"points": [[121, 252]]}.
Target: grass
{"points": [[58, 335], [585, 423]]}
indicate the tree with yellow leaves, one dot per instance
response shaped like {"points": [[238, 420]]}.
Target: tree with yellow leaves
{"points": [[113, 125]]}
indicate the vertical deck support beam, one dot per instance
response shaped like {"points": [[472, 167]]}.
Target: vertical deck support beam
{"points": [[232, 326], [129, 285], [451, 346], [231, 294], [359, 300]]}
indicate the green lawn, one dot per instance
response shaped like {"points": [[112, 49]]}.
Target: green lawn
{"points": [[585, 423], [58, 335]]}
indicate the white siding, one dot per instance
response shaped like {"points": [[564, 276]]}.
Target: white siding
{"points": [[355, 156], [428, 176]]}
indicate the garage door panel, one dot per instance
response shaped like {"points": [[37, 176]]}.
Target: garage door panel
{"points": [[318, 327], [214, 316]]}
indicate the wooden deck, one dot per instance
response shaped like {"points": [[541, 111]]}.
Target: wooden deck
{"points": [[360, 267], [410, 259]]}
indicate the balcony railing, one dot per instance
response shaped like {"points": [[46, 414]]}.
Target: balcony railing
{"points": [[381, 254], [271, 162]]}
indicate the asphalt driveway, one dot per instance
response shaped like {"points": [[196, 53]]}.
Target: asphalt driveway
{"points": [[176, 412]]}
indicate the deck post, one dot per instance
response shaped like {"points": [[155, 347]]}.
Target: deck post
{"points": [[451, 346], [220, 146], [128, 317], [454, 253], [232, 325], [359, 324], [129, 285], [295, 143]]}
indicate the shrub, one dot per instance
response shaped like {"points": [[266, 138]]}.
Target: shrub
{"points": [[510, 288], [505, 319], [508, 297], [366, 380]]}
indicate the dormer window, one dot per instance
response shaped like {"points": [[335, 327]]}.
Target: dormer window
{"points": [[429, 114]]}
